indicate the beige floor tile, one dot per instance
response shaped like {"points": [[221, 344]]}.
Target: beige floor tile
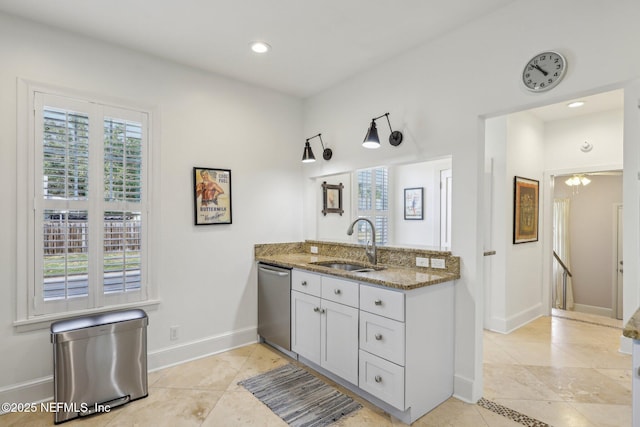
{"points": [[209, 373], [559, 414], [603, 415], [241, 408], [262, 359], [514, 382], [598, 355], [452, 413], [621, 376], [584, 385], [543, 354], [167, 407], [494, 353]]}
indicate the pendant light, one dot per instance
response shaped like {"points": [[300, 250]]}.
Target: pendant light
{"points": [[307, 155], [371, 139]]}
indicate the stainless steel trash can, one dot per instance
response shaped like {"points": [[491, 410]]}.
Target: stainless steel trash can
{"points": [[99, 362]]}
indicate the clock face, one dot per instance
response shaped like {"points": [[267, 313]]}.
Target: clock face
{"points": [[544, 71]]}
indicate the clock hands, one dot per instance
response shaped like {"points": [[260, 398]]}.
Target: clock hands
{"points": [[536, 66]]}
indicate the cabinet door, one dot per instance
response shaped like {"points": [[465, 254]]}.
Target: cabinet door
{"points": [[305, 326], [339, 343]]}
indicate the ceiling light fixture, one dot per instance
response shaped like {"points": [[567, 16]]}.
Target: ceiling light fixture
{"points": [[577, 180], [307, 155], [259, 47], [371, 139], [575, 104]]}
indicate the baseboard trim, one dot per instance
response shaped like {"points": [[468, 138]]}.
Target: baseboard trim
{"points": [[592, 309], [464, 389], [510, 324], [41, 389]]}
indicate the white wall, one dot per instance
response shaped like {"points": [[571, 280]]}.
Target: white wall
{"points": [[204, 275], [439, 94]]}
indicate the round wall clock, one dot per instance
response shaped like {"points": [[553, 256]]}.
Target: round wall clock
{"points": [[544, 71]]}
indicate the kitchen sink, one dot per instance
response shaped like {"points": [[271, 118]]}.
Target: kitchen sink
{"points": [[347, 266]]}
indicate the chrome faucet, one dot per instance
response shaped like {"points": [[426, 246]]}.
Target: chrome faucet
{"points": [[370, 251]]}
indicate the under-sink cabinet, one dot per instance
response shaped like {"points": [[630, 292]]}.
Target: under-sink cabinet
{"points": [[324, 322], [393, 347]]}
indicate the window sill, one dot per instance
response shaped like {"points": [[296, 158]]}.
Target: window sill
{"points": [[44, 322]]}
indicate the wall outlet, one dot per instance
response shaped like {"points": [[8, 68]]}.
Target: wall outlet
{"points": [[314, 249], [173, 333], [422, 262], [437, 263]]}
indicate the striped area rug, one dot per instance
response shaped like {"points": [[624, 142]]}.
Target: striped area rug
{"points": [[299, 398]]}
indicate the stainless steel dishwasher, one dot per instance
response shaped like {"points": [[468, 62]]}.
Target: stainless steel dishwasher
{"points": [[274, 305]]}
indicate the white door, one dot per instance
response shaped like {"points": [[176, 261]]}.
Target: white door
{"points": [[305, 326], [339, 342]]}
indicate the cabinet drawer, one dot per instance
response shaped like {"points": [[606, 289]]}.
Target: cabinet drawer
{"points": [[382, 337], [302, 281], [382, 379], [340, 291], [383, 302]]}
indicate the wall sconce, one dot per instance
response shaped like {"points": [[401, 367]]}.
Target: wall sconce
{"points": [[307, 155], [371, 140]]}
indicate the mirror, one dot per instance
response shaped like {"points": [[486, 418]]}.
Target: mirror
{"points": [[379, 194]]}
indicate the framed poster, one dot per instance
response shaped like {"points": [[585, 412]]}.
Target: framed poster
{"points": [[212, 196], [525, 210], [413, 204], [332, 198]]}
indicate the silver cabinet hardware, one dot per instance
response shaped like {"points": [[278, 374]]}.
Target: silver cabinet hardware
{"points": [[378, 379], [378, 336], [316, 309], [336, 291], [304, 283], [378, 302]]}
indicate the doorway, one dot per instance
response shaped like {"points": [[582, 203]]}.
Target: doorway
{"points": [[538, 144]]}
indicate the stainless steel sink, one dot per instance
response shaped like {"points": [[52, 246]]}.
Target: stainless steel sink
{"points": [[347, 266]]}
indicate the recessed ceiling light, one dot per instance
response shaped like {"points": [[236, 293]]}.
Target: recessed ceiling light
{"points": [[575, 104], [260, 47]]}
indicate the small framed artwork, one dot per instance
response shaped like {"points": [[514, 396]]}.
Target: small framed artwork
{"points": [[332, 198], [525, 210], [212, 196], [413, 203]]}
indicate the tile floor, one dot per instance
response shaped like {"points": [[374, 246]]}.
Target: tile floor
{"points": [[559, 371]]}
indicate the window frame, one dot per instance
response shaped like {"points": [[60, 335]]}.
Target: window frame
{"points": [[27, 316]]}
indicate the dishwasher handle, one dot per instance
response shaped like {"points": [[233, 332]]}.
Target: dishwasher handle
{"points": [[274, 272]]}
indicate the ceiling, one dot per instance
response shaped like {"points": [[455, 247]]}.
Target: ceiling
{"points": [[605, 101], [315, 44]]}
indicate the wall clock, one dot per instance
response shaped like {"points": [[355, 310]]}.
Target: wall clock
{"points": [[544, 71]]}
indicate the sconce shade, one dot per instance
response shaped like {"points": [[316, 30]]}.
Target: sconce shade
{"points": [[307, 156], [371, 140]]}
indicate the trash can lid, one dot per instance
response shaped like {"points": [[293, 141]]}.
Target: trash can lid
{"points": [[96, 320]]}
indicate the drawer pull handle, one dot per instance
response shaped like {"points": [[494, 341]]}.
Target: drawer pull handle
{"points": [[378, 379], [304, 283], [337, 291], [378, 336], [378, 302]]}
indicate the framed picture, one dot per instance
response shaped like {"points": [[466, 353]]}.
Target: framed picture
{"points": [[525, 210], [212, 196], [332, 198], [413, 204]]}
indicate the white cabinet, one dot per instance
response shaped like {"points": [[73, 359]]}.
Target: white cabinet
{"points": [[324, 331], [393, 347]]}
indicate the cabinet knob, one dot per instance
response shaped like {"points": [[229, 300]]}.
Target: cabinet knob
{"points": [[378, 336], [336, 291], [322, 311], [316, 309], [378, 379], [378, 302], [304, 283]]}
